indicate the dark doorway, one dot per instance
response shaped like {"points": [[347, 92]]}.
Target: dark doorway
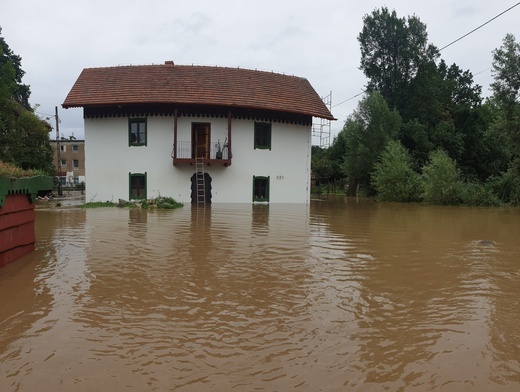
{"points": [[207, 188], [200, 136]]}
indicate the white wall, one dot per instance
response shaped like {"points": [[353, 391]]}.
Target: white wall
{"points": [[109, 159]]}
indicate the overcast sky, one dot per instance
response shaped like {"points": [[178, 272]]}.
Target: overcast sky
{"points": [[316, 40]]}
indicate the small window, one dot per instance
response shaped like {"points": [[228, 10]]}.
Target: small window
{"points": [[262, 135], [137, 132], [63, 148], [260, 188], [75, 163], [63, 162], [137, 185], [75, 148]]}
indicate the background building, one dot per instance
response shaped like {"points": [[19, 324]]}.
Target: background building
{"points": [[69, 159]]}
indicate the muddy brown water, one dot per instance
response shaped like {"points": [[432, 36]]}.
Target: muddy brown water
{"points": [[336, 296]]}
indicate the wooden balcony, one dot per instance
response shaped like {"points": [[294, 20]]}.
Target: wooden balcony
{"points": [[185, 152]]}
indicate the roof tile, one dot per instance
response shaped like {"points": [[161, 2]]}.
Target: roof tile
{"points": [[195, 85]]}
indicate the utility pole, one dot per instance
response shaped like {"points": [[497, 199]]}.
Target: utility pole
{"points": [[60, 192]]}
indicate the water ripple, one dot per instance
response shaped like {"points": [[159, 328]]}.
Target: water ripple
{"points": [[339, 296]]}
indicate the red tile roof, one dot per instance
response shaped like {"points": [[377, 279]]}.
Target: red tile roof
{"points": [[195, 85]]}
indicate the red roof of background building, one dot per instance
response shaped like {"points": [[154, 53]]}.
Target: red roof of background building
{"points": [[195, 85]]}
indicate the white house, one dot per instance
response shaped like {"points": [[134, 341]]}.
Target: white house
{"points": [[197, 134]]}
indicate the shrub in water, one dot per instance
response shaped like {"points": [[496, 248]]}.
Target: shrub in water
{"points": [[440, 180], [393, 177]]}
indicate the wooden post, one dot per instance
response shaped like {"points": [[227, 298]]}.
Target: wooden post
{"points": [[58, 146], [229, 138]]}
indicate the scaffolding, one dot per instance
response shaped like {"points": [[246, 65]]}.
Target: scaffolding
{"points": [[322, 130]]}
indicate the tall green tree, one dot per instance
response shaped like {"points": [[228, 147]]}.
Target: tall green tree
{"points": [[506, 95], [11, 74], [367, 131], [392, 50], [403, 66], [506, 71], [435, 96], [506, 89], [24, 137], [460, 86], [321, 166], [485, 149]]}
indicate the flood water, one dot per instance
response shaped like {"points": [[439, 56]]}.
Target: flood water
{"points": [[336, 296]]}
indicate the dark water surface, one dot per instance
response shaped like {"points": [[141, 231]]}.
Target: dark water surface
{"points": [[335, 296]]}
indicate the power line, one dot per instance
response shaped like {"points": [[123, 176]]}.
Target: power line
{"points": [[44, 114], [348, 99], [478, 73], [482, 25], [444, 47]]}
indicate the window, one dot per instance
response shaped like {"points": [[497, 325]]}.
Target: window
{"points": [[63, 162], [137, 132], [75, 163], [137, 183], [260, 188], [262, 135], [75, 148], [63, 148]]}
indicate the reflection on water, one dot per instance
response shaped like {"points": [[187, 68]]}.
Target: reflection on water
{"points": [[338, 295]]}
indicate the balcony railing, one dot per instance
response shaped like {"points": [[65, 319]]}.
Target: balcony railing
{"points": [[184, 152]]}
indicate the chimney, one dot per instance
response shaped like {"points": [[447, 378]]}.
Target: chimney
{"points": [[168, 62]]}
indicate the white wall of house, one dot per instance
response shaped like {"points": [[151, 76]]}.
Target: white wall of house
{"points": [[109, 160]]}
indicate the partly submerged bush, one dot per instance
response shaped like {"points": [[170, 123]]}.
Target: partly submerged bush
{"points": [[507, 186], [441, 180], [162, 203], [393, 177], [477, 194]]}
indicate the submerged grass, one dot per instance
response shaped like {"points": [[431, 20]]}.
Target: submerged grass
{"points": [[98, 204]]}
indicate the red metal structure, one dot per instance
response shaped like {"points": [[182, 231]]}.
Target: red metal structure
{"points": [[17, 235]]}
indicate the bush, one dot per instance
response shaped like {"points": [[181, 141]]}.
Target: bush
{"points": [[393, 177], [11, 170], [476, 194], [440, 180], [162, 203], [507, 186]]}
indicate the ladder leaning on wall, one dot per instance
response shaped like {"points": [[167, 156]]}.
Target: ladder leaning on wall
{"points": [[199, 181]]}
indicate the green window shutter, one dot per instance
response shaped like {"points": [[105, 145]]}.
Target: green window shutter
{"points": [[261, 188], [137, 186]]}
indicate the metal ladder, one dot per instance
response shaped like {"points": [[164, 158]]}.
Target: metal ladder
{"points": [[200, 183]]}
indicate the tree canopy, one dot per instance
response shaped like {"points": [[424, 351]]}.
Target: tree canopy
{"points": [[11, 75], [392, 50], [423, 116], [24, 137], [366, 132], [506, 71]]}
